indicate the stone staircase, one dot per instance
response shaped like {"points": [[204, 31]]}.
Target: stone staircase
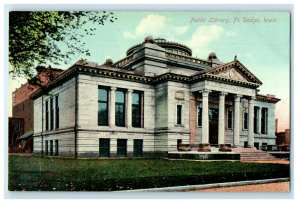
{"points": [[253, 154]]}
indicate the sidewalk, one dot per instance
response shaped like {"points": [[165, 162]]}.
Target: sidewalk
{"points": [[269, 162], [268, 187]]}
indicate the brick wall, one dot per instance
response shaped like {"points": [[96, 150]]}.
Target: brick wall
{"points": [[22, 104]]}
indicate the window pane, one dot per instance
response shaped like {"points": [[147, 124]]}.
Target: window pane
{"points": [[102, 113], [119, 96], [245, 120], [137, 148], [179, 114], [47, 115], [136, 110], [122, 147], [51, 114], [229, 119], [56, 112], [102, 95], [199, 116], [104, 147], [120, 115], [136, 98], [136, 116]]}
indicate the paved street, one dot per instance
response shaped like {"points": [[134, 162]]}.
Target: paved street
{"points": [[268, 187]]}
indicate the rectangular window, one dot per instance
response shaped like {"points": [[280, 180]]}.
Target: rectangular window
{"points": [[179, 114], [104, 147], [245, 121], [256, 109], [121, 147], [46, 147], [138, 148], [102, 107], [199, 116], [51, 114], [136, 109], [51, 147], [56, 148], [56, 111], [120, 108], [229, 119], [47, 115], [179, 141], [18, 126], [264, 121]]}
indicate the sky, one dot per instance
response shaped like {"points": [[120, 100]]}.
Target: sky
{"points": [[260, 40]]}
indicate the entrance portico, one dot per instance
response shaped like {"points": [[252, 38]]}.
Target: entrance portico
{"points": [[216, 101]]}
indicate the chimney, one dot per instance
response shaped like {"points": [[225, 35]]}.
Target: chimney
{"points": [[39, 69]]}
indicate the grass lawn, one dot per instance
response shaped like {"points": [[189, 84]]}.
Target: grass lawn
{"points": [[56, 174]]}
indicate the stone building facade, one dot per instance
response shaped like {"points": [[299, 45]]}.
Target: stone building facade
{"points": [[149, 102]]}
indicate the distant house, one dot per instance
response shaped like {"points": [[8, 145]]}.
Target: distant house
{"points": [[16, 130], [283, 140], [158, 97], [22, 104]]}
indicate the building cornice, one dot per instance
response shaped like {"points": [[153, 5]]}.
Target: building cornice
{"points": [[266, 98], [121, 74]]}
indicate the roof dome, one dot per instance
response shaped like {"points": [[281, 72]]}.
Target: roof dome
{"points": [[173, 47], [212, 55]]}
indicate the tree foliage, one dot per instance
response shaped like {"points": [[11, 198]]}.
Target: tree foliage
{"points": [[51, 36]]}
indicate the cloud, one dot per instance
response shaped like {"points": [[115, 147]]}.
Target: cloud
{"points": [[128, 35], [203, 37], [152, 24], [156, 26], [200, 40], [180, 30], [231, 33]]}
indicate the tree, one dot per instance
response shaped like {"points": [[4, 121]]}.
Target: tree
{"points": [[51, 36]]}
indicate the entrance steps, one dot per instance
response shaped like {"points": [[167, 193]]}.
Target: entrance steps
{"points": [[253, 154]]}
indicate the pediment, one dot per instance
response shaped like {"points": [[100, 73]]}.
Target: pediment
{"points": [[234, 71], [233, 74]]}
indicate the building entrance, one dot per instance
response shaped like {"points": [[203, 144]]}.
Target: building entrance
{"points": [[213, 125]]}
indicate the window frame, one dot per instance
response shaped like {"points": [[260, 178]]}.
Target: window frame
{"points": [[51, 113], [264, 121], [229, 118], [140, 109], [199, 116], [117, 112], [245, 120], [56, 111], [47, 114], [107, 106], [179, 114]]}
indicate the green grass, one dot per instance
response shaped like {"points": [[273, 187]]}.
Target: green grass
{"points": [[56, 174]]}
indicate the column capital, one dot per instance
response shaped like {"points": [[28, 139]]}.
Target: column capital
{"points": [[237, 97], [223, 94], [251, 100], [129, 90], [205, 92], [113, 88]]}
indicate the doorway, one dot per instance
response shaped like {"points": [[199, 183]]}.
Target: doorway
{"points": [[213, 125]]}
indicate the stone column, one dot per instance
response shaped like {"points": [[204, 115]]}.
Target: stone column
{"points": [[250, 121], [236, 129], [112, 109], [205, 118], [193, 117], [129, 109], [259, 121], [221, 122]]}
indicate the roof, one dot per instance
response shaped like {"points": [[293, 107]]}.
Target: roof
{"points": [[267, 98], [26, 135]]}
